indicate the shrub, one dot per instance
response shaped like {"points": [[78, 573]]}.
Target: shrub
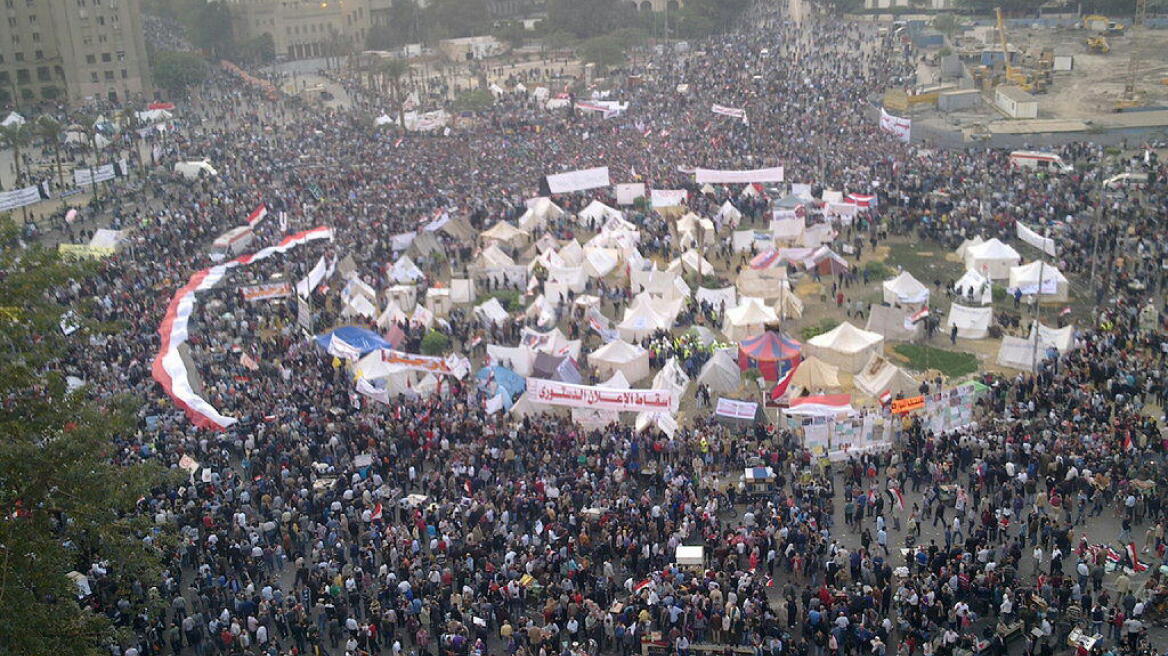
{"points": [[435, 343], [823, 326]]}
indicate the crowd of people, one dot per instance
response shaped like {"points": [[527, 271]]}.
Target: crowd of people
{"points": [[323, 523]]}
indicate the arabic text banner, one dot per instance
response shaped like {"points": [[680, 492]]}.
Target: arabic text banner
{"points": [[598, 398], [901, 128], [266, 291], [562, 183], [10, 200], [713, 176], [451, 365]]}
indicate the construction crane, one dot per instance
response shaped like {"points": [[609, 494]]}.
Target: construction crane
{"points": [[1141, 12], [1028, 81]]}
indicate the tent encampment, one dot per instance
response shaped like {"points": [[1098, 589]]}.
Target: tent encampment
{"points": [[539, 212], [904, 289], [879, 376], [971, 322], [766, 284], [719, 299], [965, 246], [992, 259], [747, 319], [845, 346], [505, 233], [1052, 287], [720, 374], [619, 355], [597, 213], [772, 353]]}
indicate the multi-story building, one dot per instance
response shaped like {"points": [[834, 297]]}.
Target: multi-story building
{"points": [[74, 50], [303, 29]]}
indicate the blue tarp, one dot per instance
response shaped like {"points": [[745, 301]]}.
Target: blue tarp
{"points": [[505, 378], [362, 339]]}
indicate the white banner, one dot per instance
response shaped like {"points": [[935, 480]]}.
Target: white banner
{"points": [[736, 409], [10, 200], [901, 128], [562, 183], [87, 176], [598, 398], [317, 274], [667, 197], [732, 112], [628, 192], [774, 174], [1044, 244]]}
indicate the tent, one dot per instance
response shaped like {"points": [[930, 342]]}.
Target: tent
{"points": [[905, 290], [728, 215], [788, 305], [491, 312], [618, 355], [673, 378], [571, 253], [749, 318], [965, 246], [880, 376], [598, 262], [690, 226], [462, 290], [641, 320], [1053, 285], [974, 287], [362, 340], [667, 284], [826, 261], [719, 299], [1019, 353], [424, 244], [992, 259], [720, 373], [404, 270], [971, 322], [788, 231], [751, 241], [1062, 339], [597, 213], [460, 229], [504, 378], [893, 323], [515, 358], [538, 213], [506, 233], [493, 256], [13, 120], [405, 296], [691, 260], [814, 374], [766, 284], [392, 315], [438, 301], [772, 353], [846, 346]]}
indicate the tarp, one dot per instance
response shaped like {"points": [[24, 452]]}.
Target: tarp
{"points": [[539, 213], [773, 354], [562, 183], [627, 193], [462, 290], [845, 346], [503, 377], [361, 339], [168, 368], [905, 290], [891, 322], [992, 259], [879, 376], [721, 374], [713, 176], [749, 318], [971, 322], [506, 233], [1019, 353], [599, 262]]}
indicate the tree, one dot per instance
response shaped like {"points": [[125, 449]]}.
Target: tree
{"points": [[48, 129], [459, 18], [392, 71], [66, 504], [210, 29], [1008, 6], [511, 32], [585, 18], [947, 24], [474, 100], [435, 343], [604, 51], [176, 71]]}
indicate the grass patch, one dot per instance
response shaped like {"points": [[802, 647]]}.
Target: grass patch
{"points": [[824, 325], [926, 265], [950, 363], [877, 270]]}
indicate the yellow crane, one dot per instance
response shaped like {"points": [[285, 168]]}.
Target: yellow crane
{"points": [[1026, 80]]}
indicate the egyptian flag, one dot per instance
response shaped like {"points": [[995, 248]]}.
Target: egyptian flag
{"points": [[861, 200], [886, 397], [1065, 311], [781, 387], [642, 585], [895, 497], [375, 516], [1113, 556], [257, 215], [1134, 555]]}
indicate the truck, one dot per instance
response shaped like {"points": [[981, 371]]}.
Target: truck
{"points": [[195, 169], [1031, 159]]}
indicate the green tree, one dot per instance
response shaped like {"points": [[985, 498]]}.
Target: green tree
{"points": [[66, 504], [474, 100], [16, 137], [511, 32], [392, 71], [48, 129], [259, 49], [587, 18], [459, 18], [947, 24], [177, 71], [435, 343], [605, 51], [210, 29], [1008, 6]]}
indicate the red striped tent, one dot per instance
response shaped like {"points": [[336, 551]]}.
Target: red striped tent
{"points": [[772, 353]]}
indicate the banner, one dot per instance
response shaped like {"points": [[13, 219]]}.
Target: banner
{"points": [[265, 291], [84, 250], [562, 183], [318, 273], [667, 197], [901, 128], [1044, 244], [905, 406], [257, 215], [168, 368], [17, 198], [87, 176], [451, 365], [598, 398], [627, 193], [949, 410], [774, 174], [608, 108], [732, 112], [736, 409]]}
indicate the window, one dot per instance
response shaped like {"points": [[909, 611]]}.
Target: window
{"points": [[43, 74], [5, 78], [125, 74], [101, 20], [90, 59], [93, 76], [12, 22], [101, 38], [80, 3], [87, 41], [40, 54], [105, 57], [22, 76], [109, 75], [15, 38], [11, 4], [19, 55], [36, 37], [121, 55], [32, 19], [30, 3]]}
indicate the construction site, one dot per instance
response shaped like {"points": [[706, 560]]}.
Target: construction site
{"points": [[1009, 80]]}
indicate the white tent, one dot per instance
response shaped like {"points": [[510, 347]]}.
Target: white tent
{"points": [[598, 212], [719, 299], [814, 375], [971, 322], [661, 283], [493, 256], [1053, 286], [571, 253], [728, 215], [404, 270], [845, 346], [905, 290], [672, 378], [748, 319], [965, 245], [893, 324], [788, 305], [992, 259], [690, 226], [506, 233], [788, 231], [491, 311], [974, 287], [691, 260], [1062, 339], [766, 284], [751, 241], [542, 310], [599, 262], [618, 355], [438, 301], [1019, 353], [721, 374], [539, 212], [393, 314], [880, 376], [13, 120], [516, 358], [462, 290], [642, 320]]}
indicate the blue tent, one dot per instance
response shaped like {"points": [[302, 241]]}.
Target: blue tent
{"points": [[504, 378], [362, 339]]}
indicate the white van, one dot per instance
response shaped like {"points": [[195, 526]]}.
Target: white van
{"points": [[192, 170], [232, 242], [1032, 159]]}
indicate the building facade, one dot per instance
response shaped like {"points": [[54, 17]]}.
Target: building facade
{"points": [[303, 29], [72, 50]]}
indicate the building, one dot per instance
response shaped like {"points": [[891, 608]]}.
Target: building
{"points": [[934, 5], [472, 47], [74, 51], [1015, 103], [657, 5], [302, 29]]}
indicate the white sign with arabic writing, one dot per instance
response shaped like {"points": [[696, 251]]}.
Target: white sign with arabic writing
{"points": [[599, 398]]}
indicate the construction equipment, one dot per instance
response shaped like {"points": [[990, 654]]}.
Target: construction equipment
{"points": [[1130, 99], [1098, 45], [1103, 25]]}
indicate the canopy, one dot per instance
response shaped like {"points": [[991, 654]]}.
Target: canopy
{"points": [[720, 374], [1025, 278], [728, 215], [974, 287], [749, 318], [905, 290], [642, 320], [618, 355], [846, 346], [360, 339], [971, 322], [893, 323], [815, 374], [772, 353], [880, 376], [504, 378], [506, 233], [992, 259]]}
